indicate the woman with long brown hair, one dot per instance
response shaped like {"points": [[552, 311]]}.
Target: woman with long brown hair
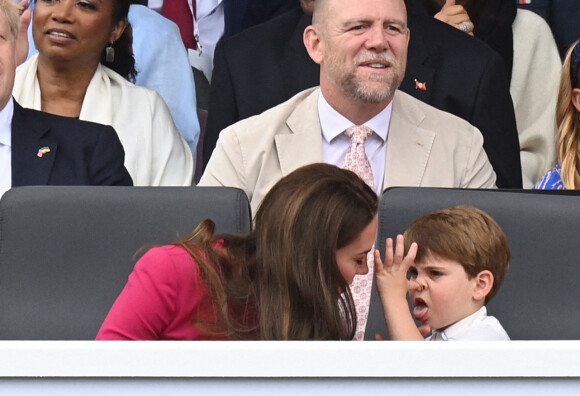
{"points": [[288, 279]]}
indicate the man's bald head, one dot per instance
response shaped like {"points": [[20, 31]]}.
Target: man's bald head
{"points": [[307, 6], [319, 9]]}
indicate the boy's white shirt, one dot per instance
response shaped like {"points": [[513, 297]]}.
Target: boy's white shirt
{"points": [[475, 327]]}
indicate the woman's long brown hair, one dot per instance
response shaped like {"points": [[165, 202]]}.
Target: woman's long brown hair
{"points": [[282, 281]]}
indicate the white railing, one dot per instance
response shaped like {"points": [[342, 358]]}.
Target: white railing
{"points": [[261, 367]]}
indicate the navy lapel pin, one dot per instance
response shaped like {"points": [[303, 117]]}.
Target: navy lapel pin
{"points": [[42, 151]]}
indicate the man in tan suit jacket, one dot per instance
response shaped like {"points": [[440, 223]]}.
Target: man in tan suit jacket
{"points": [[424, 147]]}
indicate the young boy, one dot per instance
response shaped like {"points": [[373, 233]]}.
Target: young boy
{"points": [[456, 261]]}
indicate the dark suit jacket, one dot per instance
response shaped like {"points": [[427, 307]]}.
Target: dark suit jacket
{"points": [[81, 152], [268, 64], [242, 14], [563, 16]]}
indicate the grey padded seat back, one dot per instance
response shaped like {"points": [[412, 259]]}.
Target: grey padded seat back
{"points": [[66, 252], [539, 298]]}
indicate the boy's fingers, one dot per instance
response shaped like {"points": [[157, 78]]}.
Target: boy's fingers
{"points": [[425, 330], [378, 262], [412, 253], [399, 249], [389, 252], [412, 285]]}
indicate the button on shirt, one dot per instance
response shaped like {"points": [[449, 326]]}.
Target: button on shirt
{"points": [[335, 143], [6, 147]]}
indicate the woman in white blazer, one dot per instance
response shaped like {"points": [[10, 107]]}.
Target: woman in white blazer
{"points": [[82, 69]]}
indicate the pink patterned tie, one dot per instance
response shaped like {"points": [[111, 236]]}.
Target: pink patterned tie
{"points": [[356, 160]]}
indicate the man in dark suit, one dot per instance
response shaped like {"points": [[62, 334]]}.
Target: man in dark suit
{"points": [[563, 16], [38, 148], [268, 64], [242, 14], [81, 152]]}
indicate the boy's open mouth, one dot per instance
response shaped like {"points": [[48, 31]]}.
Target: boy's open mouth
{"points": [[420, 309]]}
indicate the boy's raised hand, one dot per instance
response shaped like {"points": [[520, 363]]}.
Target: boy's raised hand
{"points": [[392, 275], [392, 285]]}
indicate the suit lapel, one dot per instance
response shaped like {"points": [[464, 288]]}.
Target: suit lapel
{"points": [[303, 145], [408, 145], [419, 75], [28, 137]]}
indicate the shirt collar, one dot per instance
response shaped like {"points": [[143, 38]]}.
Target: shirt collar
{"points": [[204, 8], [6, 123], [457, 328], [333, 123]]}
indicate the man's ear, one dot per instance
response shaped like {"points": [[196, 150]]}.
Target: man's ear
{"points": [[483, 284], [576, 98], [313, 43]]}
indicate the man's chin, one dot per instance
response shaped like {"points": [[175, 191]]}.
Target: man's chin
{"points": [[373, 96], [375, 91]]}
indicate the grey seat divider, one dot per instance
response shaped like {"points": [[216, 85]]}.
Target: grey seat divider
{"points": [[540, 297], [66, 252]]}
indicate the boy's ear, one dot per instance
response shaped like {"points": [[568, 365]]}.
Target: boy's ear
{"points": [[483, 285]]}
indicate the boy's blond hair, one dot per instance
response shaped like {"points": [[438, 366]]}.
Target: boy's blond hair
{"points": [[466, 235]]}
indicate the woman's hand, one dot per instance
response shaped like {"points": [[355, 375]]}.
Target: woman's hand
{"points": [[456, 16]]}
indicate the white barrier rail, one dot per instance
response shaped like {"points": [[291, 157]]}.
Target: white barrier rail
{"points": [[259, 367]]}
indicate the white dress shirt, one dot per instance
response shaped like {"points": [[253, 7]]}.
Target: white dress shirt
{"points": [[476, 327], [208, 27], [6, 147], [335, 143], [208, 24]]}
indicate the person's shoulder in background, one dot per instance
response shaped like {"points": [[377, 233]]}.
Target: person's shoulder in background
{"points": [[563, 16]]}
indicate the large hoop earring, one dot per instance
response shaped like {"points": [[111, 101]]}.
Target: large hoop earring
{"points": [[109, 53]]}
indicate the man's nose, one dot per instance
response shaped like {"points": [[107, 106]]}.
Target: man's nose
{"points": [[377, 39]]}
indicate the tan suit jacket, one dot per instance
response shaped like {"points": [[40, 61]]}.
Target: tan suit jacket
{"points": [[426, 147]]}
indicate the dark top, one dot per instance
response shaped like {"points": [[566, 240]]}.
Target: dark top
{"points": [[563, 16], [81, 152]]}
